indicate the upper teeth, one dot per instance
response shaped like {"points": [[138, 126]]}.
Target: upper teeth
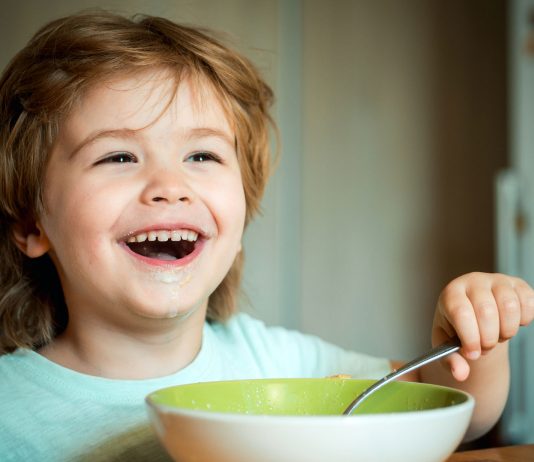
{"points": [[164, 236]]}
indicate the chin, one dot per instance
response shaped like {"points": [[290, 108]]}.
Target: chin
{"points": [[169, 312], [176, 314]]}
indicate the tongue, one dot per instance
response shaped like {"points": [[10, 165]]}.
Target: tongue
{"points": [[161, 256]]}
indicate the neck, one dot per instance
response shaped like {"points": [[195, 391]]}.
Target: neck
{"points": [[90, 347]]}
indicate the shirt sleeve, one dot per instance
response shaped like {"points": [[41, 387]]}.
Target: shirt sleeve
{"points": [[281, 352]]}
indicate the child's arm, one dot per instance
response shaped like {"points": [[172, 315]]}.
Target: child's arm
{"points": [[484, 310]]}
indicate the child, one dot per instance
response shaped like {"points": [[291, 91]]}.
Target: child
{"points": [[133, 154]]}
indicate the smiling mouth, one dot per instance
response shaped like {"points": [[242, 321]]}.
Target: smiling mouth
{"points": [[163, 244]]}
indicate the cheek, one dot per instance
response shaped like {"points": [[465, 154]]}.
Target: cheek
{"points": [[227, 204], [236, 206], [78, 214]]}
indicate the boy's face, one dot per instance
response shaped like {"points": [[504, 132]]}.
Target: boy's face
{"points": [[144, 205]]}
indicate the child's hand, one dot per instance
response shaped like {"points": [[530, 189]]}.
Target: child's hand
{"points": [[482, 309]]}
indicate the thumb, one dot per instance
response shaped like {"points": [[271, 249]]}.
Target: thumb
{"points": [[458, 366]]}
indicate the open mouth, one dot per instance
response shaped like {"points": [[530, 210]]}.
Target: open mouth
{"points": [[164, 245]]}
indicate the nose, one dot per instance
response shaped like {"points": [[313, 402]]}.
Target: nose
{"points": [[166, 186]]}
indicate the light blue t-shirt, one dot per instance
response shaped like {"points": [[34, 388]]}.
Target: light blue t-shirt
{"points": [[49, 413]]}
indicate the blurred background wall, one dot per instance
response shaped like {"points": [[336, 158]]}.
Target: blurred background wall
{"points": [[394, 123], [404, 123]]}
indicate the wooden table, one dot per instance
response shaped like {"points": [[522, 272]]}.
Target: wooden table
{"points": [[523, 453]]}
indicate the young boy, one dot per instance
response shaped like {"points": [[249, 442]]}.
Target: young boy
{"points": [[132, 156]]}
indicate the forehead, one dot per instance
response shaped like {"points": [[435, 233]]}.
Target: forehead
{"points": [[141, 100]]}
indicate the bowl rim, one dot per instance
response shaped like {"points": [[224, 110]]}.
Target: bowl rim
{"points": [[465, 406]]}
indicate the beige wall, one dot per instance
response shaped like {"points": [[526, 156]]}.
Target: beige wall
{"points": [[393, 124], [404, 126]]}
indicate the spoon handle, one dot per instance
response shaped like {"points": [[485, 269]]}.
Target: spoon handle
{"points": [[438, 352]]}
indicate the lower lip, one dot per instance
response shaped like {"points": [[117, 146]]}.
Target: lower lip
{"points": [[167, 263]]}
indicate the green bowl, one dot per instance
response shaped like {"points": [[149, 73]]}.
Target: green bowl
{"points": [[300, 420]]}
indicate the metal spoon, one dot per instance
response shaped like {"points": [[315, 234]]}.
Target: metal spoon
{"points": [[450, 346]]}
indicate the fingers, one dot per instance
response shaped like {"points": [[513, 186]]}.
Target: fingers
{"points": [[484, 309], [508, 306], [454, 362], [526, 298], [457, 309]]}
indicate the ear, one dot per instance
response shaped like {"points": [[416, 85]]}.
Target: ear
{"points": [[31, 239]]}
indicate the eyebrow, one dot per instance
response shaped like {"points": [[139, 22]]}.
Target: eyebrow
{"points": [[205, 132], [91, 138], [191, 134]]}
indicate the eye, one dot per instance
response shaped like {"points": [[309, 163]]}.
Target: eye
{"points": [[203, 157], [118, 158]]}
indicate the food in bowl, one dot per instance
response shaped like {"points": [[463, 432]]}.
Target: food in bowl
{"points": [[299, 420]]}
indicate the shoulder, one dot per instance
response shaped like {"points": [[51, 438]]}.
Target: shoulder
{"points": [[49, 413], [285, 352], [16, 405], [244, 329], [19, 381], [261, 350], [13, 366]]}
